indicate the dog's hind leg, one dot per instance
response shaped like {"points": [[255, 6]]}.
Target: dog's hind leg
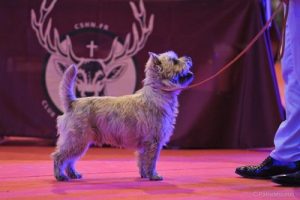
{"points": [[65, 156], [59, 166], [78, 151], [149, 158], [71, 172]]}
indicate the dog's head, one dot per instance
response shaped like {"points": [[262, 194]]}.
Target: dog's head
{"points": [[169, 71]]}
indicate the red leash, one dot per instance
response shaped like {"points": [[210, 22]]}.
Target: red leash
{"points": [[229, 64]]}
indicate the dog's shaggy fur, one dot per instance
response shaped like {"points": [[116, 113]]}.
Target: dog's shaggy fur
{"points": [[144, 120]]}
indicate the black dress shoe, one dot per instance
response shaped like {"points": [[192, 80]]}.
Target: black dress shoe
{"points": [[268, 168], [292, 179]]}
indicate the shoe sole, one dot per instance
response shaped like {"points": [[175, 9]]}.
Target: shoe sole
{"points": [[253, 177], [285, 183]]}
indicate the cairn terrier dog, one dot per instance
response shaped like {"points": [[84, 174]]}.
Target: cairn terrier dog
{"points": [[144, 120]]}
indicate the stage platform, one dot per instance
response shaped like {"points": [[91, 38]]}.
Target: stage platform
{"points": [[109, 173]]}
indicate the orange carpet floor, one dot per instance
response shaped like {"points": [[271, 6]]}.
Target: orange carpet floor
{"points": [[108, 173]]}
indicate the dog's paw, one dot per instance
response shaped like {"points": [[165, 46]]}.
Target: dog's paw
{"points": [[62, 178], [75, 176], [156, 178], [143, 175]]}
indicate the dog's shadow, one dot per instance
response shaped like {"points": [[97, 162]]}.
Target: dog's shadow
{"points": [[114, 185]]}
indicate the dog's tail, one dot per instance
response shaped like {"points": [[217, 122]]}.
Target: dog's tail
{"points": [[66, 90]]}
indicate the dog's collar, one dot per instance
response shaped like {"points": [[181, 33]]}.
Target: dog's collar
{"points": [[167, 89], [172, 89]]}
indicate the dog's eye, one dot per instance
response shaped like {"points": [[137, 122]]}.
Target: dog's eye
{"points": [[175, 61], [159, 68]]}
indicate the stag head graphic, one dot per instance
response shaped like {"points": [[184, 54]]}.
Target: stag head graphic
{"points": [[93, 73]]}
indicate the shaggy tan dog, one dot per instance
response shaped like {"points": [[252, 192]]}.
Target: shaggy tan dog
{"points": [[144, 120]]}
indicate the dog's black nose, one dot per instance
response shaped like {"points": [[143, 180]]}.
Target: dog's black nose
{"points": [[188, 60]]}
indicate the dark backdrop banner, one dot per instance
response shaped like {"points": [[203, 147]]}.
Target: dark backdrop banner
{"points": [[39, 39]]}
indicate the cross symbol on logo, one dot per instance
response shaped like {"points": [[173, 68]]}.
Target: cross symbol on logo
{"points": [[92, 47]]}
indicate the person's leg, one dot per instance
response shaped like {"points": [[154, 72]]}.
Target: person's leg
{"points": [[287, 138], [285, 158], [289, 148]]}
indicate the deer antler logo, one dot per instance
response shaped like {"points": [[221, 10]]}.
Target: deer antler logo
{"points": [[107, 75]]}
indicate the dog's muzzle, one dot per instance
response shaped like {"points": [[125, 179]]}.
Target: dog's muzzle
{"points": [[188, 61], [186, 78]]}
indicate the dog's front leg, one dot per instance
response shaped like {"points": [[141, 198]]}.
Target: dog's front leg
{"points": [[141, 163], [150, 156]]}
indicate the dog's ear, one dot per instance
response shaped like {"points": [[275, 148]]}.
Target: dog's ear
{"points": [[154, 58]]}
